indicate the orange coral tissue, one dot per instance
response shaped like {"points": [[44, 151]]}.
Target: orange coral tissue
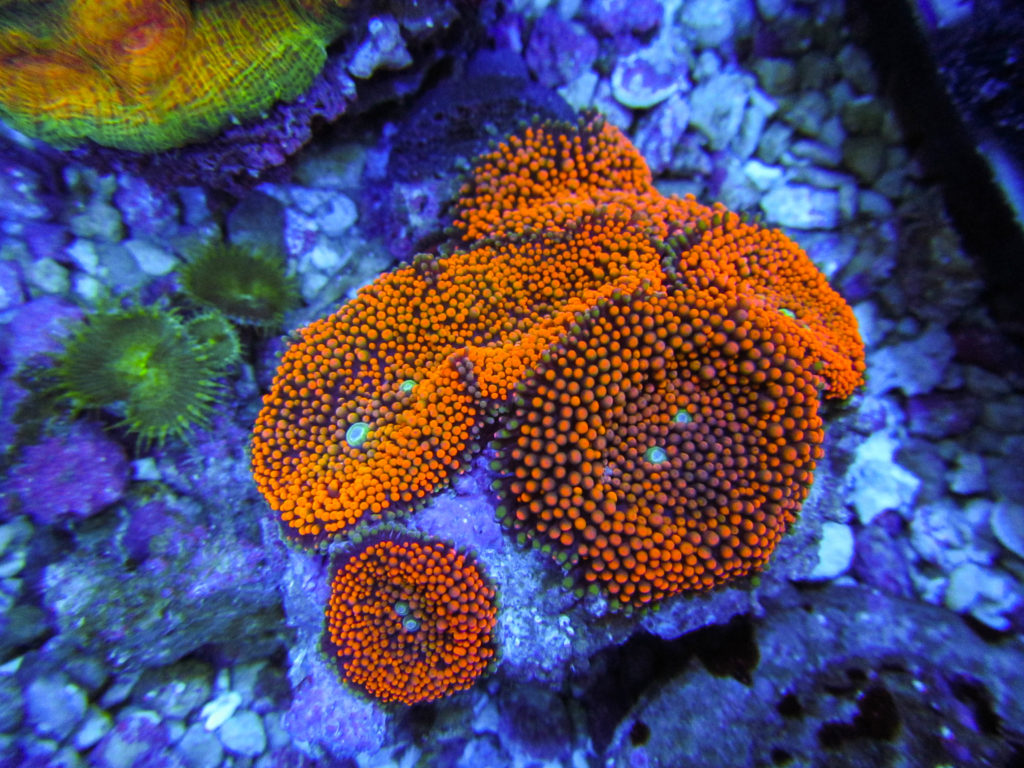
{"points": [[658, 365], [409, 620]]}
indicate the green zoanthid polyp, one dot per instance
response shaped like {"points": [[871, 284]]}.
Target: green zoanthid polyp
{"points": [[250, 286], [146, 365]]}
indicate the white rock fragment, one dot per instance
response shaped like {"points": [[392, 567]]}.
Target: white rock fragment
{"points": [[215, 713], [835, 552], [986, 594], [878, 482], [151, 258], [914, 367]]}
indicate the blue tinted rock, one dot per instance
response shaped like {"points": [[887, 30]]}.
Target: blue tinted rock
{"points": [[821, 155], [776, 76], [24, 624], [71, 475], [855, 64], [243, 734], [536, 718], [87, 671], [219, 710], [1005, 414], [881, 559], [176, 690], [48, 276], [774, 142], [944, 533], [300, 232], [816, 71], [941, 414], [95, 726], [1004, 475], [37, 328], [152, 258], [45, 239], [333, 167], [711, 23], [257, 220], [829, 251], [862, 115], [915, 367], [338, 215], [771, 9], [484, 750], [612, 17], [99, 221], [138, 738], [865, 156], [21, 195], [759, 109], [200, 748], [559, 51], [46, 754], [650, 75], [383, 48], [12, 704], [659, 131], [874, 205], [717, 106], [807, 113], [147, 212], [985, 593], [11, 292], [1007, 523], [734, 189], [605, 102], [802, 207], [968, 477], [579, 93], [54, 706]]}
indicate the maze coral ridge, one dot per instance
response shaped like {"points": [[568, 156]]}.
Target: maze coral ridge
{"points": [[683, 477]]}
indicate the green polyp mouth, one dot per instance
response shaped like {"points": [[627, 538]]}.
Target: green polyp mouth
{"points": [[655, 455], [357, 433], [134, 361], [408, 385], [682, 417], [787, 312], [409, 624], [402, 608]]}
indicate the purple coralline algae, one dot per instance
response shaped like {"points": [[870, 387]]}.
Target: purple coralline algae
{"points": [[615, 17], [36, 328], [72, 475], [559, 51], [326, 718]]}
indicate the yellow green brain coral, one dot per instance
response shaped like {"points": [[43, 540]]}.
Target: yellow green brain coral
{"points": [[150, 75]]}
